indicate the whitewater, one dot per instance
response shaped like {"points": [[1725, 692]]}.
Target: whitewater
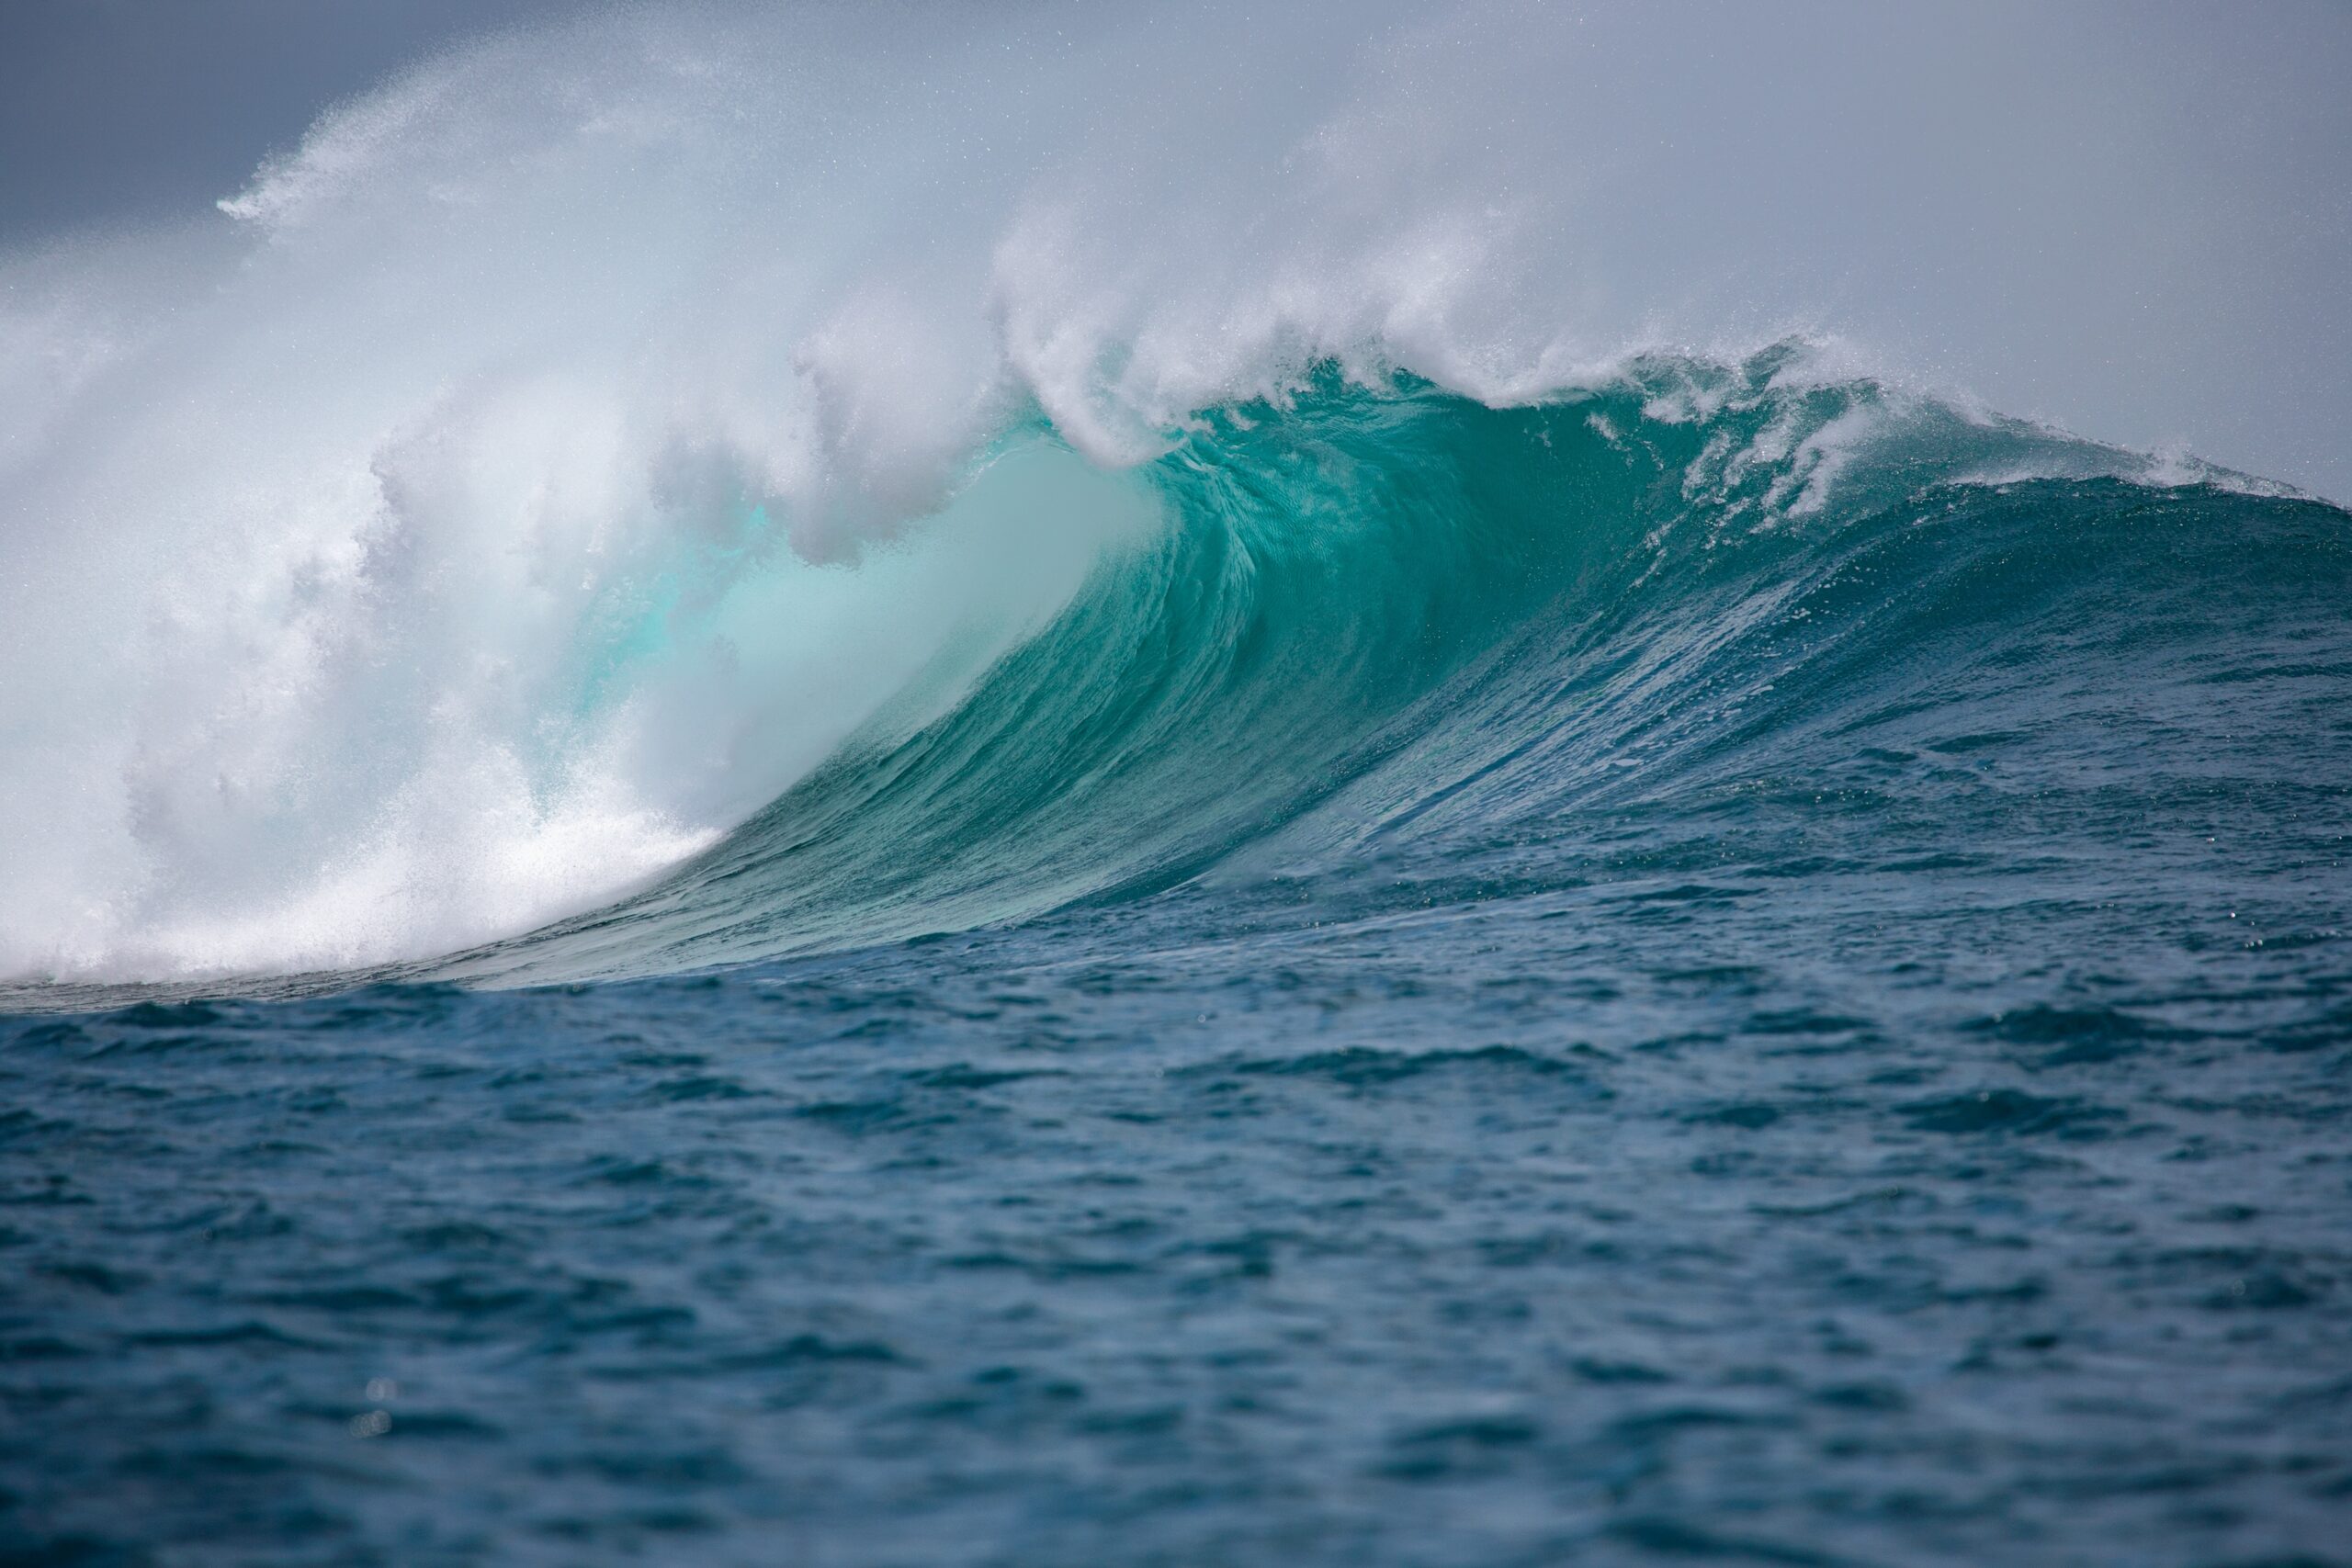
{"points": [[992, 786]]}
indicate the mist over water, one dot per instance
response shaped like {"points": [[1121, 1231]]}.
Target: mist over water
{"points": [[1048, 785]]}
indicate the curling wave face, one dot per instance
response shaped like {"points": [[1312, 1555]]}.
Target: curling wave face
{"points": [[697, 468], [1374, 622], [1371, 619]]}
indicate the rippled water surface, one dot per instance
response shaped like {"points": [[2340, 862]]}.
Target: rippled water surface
{"points": [[1727, 1203]]}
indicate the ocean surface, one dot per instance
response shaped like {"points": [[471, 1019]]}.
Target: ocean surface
{"points": [[1725, 964]]}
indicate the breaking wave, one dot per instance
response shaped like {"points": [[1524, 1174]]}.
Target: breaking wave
{"points": [[608, 505]]}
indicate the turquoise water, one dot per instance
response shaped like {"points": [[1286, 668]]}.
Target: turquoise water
{"points": [[1723, 966]]}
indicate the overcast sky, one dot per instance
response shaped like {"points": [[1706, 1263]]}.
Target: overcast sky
{"points": [[124, 108]]}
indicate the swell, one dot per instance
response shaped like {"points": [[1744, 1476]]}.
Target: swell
{"points": [[1381, 625], [1370, 643]]}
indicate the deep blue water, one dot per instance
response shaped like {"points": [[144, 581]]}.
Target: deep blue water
{"points": [[1518, 987]]}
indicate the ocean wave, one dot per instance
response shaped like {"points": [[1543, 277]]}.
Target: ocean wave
{"points": [[715, 472], [1326, 624]]}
